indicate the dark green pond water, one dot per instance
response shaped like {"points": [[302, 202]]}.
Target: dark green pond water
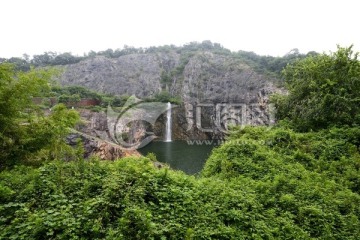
{"points": [[179, 154]]}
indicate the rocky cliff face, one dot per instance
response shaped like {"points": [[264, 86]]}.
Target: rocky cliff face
{"points": [[214, 78], [198, 77], [94, 134], [135, 74], [217, 90]]}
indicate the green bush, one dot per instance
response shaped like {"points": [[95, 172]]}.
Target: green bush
{"points": [[249, 190], [310, 180], [27, 135], [126, 199], [164, 96], [323, 91]]}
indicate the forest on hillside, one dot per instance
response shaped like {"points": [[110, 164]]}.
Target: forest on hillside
{"points": [[262, 64]]}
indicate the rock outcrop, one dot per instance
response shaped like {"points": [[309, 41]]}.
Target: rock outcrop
{"points": [[216, 90], [93, 133], [98, 148], [200, 77]]}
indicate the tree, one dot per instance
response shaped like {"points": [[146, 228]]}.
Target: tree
{"points": [[25, 131], [324, 90], [20, 64], [65, 58], [26, 57], [44, 59]]}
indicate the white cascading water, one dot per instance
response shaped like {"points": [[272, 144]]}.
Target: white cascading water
{"points": [[168, 123]]}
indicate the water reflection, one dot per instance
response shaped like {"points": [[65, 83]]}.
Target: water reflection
{"points": [[180, 155]]}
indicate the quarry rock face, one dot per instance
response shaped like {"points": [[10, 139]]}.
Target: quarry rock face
{"points": [[213, 78], [216, 90], [137, 74], [201, 77]]}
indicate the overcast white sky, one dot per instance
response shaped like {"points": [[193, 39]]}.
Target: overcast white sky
{"points": [[267, 27]]}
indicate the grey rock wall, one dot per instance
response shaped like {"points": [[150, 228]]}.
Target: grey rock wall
{"points": [[218, 82], [202, 77]]}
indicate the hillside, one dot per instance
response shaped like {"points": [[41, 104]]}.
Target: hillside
{"points": [[202, 76], [195, 72]]}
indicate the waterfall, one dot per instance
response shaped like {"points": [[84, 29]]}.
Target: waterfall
{"points": [[168, 123]]}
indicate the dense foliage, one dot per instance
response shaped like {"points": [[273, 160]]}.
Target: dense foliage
{"points": [[73, 94], [275, 184], [332, 152], [164, 96], [26, 133], [324, 90], [128, 199], [269, 64], [309, 180]]}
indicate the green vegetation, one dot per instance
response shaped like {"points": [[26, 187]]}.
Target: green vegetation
{"points": [[73, 94], [26, 134], [164, 96], [128, 199], [323, 91], [262, 183], [274, 184], [308, 183]]}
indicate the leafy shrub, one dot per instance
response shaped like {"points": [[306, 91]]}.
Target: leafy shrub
{"points": [[26, 134], [265, 198], [305, 179], [323, 91]]}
